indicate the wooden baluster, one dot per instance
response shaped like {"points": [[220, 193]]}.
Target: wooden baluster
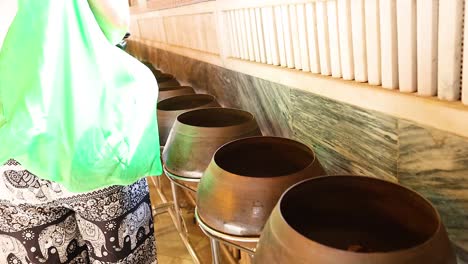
{"points": [[346, 40], [288, 46], [302, 31], [389, 43], [323, 41], [407, 57], [280, 36], [253, 24], [427, 42], [334, 41], [312, 39], [373, 42], [449, 45], [293, 21], [248, 29], [358, 26], [261, 35]]}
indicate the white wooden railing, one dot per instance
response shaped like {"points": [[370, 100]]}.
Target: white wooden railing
{"points": [[409, 45], [413, 46], [409, 51]]}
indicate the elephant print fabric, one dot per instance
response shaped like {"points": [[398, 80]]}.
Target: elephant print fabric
{"points": [[41, 222]]}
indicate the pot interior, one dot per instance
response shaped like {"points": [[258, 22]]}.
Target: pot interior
{"points": [[264, 157], [215, 117], [185, 102], [359, 214]]}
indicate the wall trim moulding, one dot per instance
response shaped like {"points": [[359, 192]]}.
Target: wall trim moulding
{"points": [[428, 111], [207, 57], [199, 8], [238, 4]]}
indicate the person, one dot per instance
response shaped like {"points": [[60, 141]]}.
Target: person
{"points": [[78, 134]]}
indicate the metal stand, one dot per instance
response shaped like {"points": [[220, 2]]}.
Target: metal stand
{"points": [[215, 251], [217, 237], [175, 198], [175, 182], [178, 181], [174, 212]]}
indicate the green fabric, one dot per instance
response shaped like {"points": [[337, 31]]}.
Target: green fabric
{"points": [[74, 109], [112, 34]]}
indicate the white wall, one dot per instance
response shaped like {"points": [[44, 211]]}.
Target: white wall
{"points": [[7, 13]]}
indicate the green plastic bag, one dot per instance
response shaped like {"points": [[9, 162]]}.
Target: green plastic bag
{"points": [[74, 108]]}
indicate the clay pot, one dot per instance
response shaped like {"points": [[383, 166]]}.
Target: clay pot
{"points": [[149, 65], [163, 77], [353, 220], [246, 178], [157, 73], [170, 108], [197, 134], [168, 83], [169, 92]]}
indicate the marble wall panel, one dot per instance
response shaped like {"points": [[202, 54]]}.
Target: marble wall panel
{"points": [[435, 164], [346, 139]]}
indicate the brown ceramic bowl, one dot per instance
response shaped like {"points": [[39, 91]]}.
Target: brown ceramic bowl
{"points": [[149, 65], [168, 83], [169, 92], [157, 73], [197, 134], [163, 77], [246, 178], [170, 108], [353, 220]]}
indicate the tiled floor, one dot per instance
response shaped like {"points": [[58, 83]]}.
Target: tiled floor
{"points": [[170, 247]]}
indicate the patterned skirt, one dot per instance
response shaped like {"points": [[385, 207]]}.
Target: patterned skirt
{"points": [[41, 222]]}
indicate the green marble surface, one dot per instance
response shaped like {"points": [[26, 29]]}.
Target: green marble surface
{"points": [[346, 139], [435, 164]]}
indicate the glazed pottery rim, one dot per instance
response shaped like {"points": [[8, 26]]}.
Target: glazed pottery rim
{"points": [[248, 121], [431, 237], [174, 88], [207, 96], [297, 143]]}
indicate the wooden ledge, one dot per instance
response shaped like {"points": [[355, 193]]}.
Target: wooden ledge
{"points": [[427, 111]]}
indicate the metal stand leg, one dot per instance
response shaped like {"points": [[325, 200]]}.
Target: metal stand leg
{"points": [[175, 216], [215, 251], [236, 253], [175, 197], [229, 259], [158, 182], [246, 258]]}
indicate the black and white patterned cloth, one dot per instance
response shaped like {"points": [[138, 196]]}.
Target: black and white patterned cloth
{"points": [[41, 222]]}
